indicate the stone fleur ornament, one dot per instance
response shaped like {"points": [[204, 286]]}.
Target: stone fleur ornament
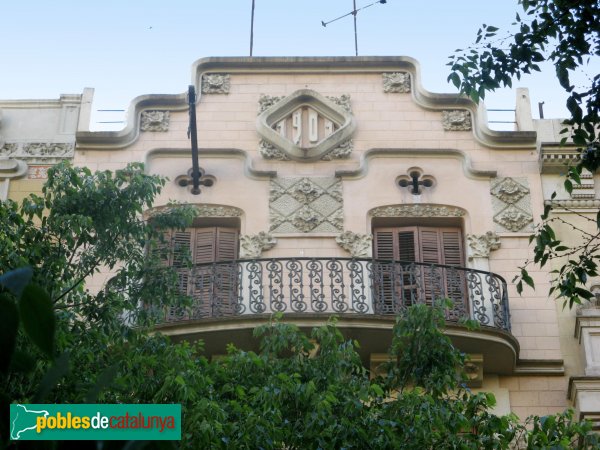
{"points": [[216, 83], [252, 246], [357, 244], [396, 82], [456, 120], [305, 126], [155, 121], [481, 245], [513, 218]]}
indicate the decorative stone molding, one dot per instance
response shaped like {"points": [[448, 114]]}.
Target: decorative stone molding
{"points": [[8, 149], [12, 168], [511, 204], [513, 218], [305, 205], [266, 101], [342, 101], [587, 331], [155, 120], [252, 246], [555, 158], [574, 203], [584, 392], [358, 245], [417, 210], [456, 120], [509, 191], [38, 152], [305, 126], [396, 82], [216, 83], [268, 151], [480, 246], [218, 211], [343, 151]]}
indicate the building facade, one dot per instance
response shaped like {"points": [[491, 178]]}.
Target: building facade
{"points": [[341, 186]]}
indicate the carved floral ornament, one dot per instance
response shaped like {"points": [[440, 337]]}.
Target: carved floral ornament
{"points": [[155, 120], [305, 126], [511, 203], [456, 120], [396, 82], [252, 246], [357, 244], [480, 246], [216, 83], [38, 150], [509, 190]]}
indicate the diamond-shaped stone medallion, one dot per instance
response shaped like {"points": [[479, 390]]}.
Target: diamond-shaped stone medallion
{"points": [[509, 190], [305, 125]]}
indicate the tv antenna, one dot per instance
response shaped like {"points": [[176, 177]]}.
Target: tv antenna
{"points": [[354, 12]]}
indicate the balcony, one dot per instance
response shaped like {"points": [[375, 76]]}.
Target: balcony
{"points": [[230, 298]]}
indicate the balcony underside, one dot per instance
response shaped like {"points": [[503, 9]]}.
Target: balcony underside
{"points": [[374, 332]]}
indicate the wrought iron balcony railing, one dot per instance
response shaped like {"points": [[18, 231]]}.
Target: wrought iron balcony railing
{"points": [[340, 286]]}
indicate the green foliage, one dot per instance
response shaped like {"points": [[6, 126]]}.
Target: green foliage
{"points": [[566, 35]]}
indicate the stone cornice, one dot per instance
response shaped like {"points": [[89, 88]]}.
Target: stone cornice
{"points": [[523, 140], [554, 157], [249, 169], [100, 140], [365, 158]]}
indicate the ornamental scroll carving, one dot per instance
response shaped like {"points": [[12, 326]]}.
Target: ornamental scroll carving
{"points": [[306, 205], [481, 245], [357, 244], [417, 210], [252, 246], [511, 203], [155, 120], [456, 120], [396, 82], [216, 83]]}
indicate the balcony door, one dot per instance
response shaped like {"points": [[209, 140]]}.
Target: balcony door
{"points": [[417, 273], [212, 286]]}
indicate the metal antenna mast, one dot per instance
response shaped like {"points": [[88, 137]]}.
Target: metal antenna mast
{"points": [[353, 13]]}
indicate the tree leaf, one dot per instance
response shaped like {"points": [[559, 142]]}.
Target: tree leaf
{"points": [[9, 325], [37, 316]]}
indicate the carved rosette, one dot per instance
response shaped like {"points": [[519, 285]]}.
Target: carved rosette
{"points": [[481, 245], [216, 83], [155, 121], [511, 203], [357, 244], [456, 120], [343, 101], [252, 246], [396, 82], [417, 210], [306, 205], [266, 101]]}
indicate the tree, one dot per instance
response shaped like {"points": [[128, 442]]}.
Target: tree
{"points": [[564, 33], [299, 391]]}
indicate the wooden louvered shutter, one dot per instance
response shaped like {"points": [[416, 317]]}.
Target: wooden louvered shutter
{"points": [[226, 288], [394, 281], [455, 280]]}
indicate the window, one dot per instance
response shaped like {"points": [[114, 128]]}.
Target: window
{"points": [[418, 274], [212, 286]]}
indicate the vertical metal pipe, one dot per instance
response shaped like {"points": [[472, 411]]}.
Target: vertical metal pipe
{"points": [[252, 28], [194, 137], [354, 12]]}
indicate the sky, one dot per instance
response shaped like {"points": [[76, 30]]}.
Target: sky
{"points": [[126, 48]]}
